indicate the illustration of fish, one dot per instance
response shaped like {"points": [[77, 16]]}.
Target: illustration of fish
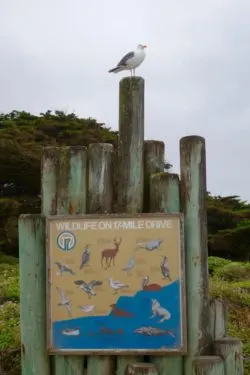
{"points": [[153, 331], [64, 301], [71, 332], [87, 308], [85, 257], [116, 285], [88, 287], [160, 311], [63, 268], [120, 312], [147, 286], [130, 265], [149, 246], [165, 270]]}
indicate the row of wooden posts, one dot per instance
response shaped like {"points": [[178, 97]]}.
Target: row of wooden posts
{"points": [[98, 179]]}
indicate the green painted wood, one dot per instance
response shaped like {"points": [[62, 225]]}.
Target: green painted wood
{"points": [[208, 365], [130, 159], [230, 349], [165, 197], [32, 258], [100, 195], [217, 319], [130, 150], [65, 193], [193, 201], [153, 163]]}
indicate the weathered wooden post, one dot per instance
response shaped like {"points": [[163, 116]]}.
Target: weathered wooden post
{"points": [[165, 197], [193, 200], [208, 365], [230, 349], [64, 191], [100, 196], [130, 162], [35, 359]]}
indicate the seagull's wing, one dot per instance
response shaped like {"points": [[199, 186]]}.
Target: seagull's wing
{"points": [[94, 283], [80, 282], [69, 270], [62, 295], [58, 264], [125, 59], [69, 310]]}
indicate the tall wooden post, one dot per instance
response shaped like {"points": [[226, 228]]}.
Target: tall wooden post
{"points": [[64, 192], [100, 194], [193, 199], [130, 148], [165, 197], [130, 162], [153, 163], [32, 258]]}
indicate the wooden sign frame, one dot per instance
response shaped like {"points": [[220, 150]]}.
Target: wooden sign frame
{"points": [[152, 258]]}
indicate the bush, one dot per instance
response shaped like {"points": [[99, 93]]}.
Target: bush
{"points": [[234, 271], [214, 263]]}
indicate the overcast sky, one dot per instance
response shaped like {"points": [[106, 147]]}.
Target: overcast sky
{"points": [[55, 54]]}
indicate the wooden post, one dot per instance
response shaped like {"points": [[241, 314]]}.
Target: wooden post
{"points": [[32, 258], [217, 319], [65, 193], [193, 200], [153, 163], [208, 365], [165, 197], [141, 368], [130, 148], [230, 349], [130, 163], [100, 200]]}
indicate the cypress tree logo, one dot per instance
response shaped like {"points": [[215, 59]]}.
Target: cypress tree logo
{"points": [[66, 241]]}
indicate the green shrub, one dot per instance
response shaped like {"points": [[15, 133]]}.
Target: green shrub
{"points": [[214, 263], [9, 282], [9, 326], [235, 271]]}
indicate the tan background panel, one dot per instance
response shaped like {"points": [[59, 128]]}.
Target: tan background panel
{"points": [[147, 264]]}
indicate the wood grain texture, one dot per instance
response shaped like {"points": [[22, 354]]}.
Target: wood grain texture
{"points": [[100, 195], [141, 368], [217, 319], [130, 176], [230, 349], [32, 258], [130, 148], [153, 163], [208, 365], [64, 192], [165, 197], [193, 201]]}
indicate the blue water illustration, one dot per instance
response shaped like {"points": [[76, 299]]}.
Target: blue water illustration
{"points": [[114, 332]]}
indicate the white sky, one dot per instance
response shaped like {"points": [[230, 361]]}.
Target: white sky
{"points": [[55, 54]]}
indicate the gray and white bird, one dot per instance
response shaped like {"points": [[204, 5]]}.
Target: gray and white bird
{"points": [[64, 301], [87, 308], [131, 60], [130, 265], [63, 268], [165, 270], [150, 245], [88, 287], [85, 257], [116, 285]]}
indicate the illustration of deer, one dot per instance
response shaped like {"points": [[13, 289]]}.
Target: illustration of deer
{"points": [[110, 254]]}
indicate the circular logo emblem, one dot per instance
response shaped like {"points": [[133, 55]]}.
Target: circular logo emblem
{"points": [[66, 241]]}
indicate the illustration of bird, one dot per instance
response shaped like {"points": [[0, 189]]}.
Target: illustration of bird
{"points": [[165, 270], [147, 286], [116, 285], [160, 311], [131, 60], [85, 256], [150, 246], [64, 301], [87, 308], [130, 265], [88, 287], [63, 268]]}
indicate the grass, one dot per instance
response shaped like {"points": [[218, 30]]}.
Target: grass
{"points": [[229, 281]]}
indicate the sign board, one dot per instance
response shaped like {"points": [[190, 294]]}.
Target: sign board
{"points": [[116, 284]]}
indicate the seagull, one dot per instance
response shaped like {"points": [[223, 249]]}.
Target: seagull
{"points": [[131, 60], [87, 308], [116, 285], [88, 287], [130, 265], [64, 301], [85, 256], [165, 270], [63, 268]]}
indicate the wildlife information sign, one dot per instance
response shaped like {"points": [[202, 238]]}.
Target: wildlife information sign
{"points": [[116, 284]]}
